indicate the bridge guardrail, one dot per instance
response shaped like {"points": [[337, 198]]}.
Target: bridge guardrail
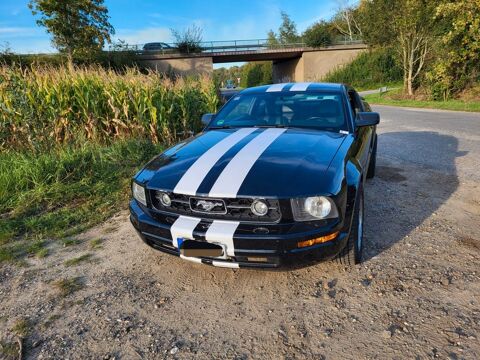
{"points": [[226, 46]]}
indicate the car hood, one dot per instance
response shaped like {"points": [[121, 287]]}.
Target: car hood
{"points": [[270, 163]]}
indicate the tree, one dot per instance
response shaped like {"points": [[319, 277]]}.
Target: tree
{"points": [[459, 46], [272, 40], [80, 28], [189, 40], [318, 35], [288, 30], [345, 20], [256, 73], [406, 26]]}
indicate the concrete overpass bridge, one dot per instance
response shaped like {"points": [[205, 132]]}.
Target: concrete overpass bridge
{"points": [[291, 62]]}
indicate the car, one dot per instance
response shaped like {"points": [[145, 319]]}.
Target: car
{"points": [[275, 179], [230, 84], [156, 46]]}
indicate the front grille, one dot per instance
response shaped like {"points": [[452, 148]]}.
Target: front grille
{"points": [[234, 209]]}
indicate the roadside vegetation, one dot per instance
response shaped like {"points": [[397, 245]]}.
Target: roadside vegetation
{"points": [[71, 139], [370, 70], [469, 101], [432, 48]]}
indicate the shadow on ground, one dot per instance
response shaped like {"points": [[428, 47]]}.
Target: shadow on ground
{"points": [[410, 185]]}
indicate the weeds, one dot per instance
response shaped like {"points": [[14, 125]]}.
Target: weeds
{"points": [[21, 328], [68, 286], [78, 260], [95, 243]]}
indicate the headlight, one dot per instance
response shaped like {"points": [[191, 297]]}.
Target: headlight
{"points": [[164, 198], [259, 208], [313, 208], [139, 193]]}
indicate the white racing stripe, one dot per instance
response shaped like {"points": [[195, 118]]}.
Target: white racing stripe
{"points": [[225, 264], [192, 259], [194, 176], [183, 227], [300, 86], [232, 177], [222, 232], [276, 87]]}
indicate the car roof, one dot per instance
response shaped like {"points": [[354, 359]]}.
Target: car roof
{"points": [[286, 87]]}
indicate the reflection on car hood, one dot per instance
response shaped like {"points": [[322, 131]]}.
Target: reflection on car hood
{"points": [[247, 162]]}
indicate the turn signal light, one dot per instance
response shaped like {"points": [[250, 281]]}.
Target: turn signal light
{"points": [[318, 240]]}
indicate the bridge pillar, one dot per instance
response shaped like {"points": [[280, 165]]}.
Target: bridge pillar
{"points": [[180, 66], [312, 65]]}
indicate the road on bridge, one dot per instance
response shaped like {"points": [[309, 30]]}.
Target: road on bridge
{"points": [[416, 294]]}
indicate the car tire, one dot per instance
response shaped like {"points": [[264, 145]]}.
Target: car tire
{"points": [[351, 254], [373, 161]]}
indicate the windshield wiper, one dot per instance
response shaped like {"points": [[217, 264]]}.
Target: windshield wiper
{"points": [[219, 127], [271, 126]]}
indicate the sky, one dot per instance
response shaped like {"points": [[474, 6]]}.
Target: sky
{"points": [[141, 21]]}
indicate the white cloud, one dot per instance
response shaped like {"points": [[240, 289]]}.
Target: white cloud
{"points": [[13, 31]]}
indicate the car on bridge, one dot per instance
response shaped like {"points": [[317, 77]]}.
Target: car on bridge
{"points": [[276, 177], [157, 46]]}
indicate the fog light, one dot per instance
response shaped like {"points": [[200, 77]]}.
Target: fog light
{"points": [[318, 240], [259, 208], [164, 199]]}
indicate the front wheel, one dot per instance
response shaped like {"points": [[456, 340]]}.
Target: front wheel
{"points": [[352, 252]]}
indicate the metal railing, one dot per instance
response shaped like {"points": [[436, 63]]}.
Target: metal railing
{"points": [[224, 46]]}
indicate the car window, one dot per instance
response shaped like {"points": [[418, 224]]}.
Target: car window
{"points": [[354, 102], [320, 110]]}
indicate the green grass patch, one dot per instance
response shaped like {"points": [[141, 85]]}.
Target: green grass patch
{"points": [[393, 98], [78, 260], [61, 192], [9, 350], [21, 328], [95, 243], [68, 286]]}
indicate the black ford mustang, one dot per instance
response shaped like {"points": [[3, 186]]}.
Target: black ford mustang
{"points": [[277, 175]]}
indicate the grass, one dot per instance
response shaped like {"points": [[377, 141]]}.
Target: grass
{"points": [[21, 328], [9, 350], [68, 286], [393, 98], [59, 193], [95, 243], [77, 260]]}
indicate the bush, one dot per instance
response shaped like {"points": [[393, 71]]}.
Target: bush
{"points": [[319, 34], [370, 69], [189, 40], [44, 107], [256, 73]]}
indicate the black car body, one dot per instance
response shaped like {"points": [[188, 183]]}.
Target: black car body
{"points": [[276, 176]]}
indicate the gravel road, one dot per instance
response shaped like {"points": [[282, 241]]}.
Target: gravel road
{"points": [[417, 295]]}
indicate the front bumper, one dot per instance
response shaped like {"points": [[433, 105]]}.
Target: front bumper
{"points": [[252, 249]]}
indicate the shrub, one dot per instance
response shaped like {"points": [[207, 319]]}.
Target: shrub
{"points": [[369, 70], [319, 34]]}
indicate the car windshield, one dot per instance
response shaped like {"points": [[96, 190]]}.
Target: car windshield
{"points": [[316, 110]]}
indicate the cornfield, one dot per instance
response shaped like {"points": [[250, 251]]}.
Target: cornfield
{"points": [[44, 107]]}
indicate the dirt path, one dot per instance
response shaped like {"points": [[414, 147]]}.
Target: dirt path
{"points": [[416, 295]]}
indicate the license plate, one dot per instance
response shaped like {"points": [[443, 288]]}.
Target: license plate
{"points": [[193, 248]]}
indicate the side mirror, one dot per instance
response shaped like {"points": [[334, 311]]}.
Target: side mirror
{"points": [[367, 119], [206, 118]]}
